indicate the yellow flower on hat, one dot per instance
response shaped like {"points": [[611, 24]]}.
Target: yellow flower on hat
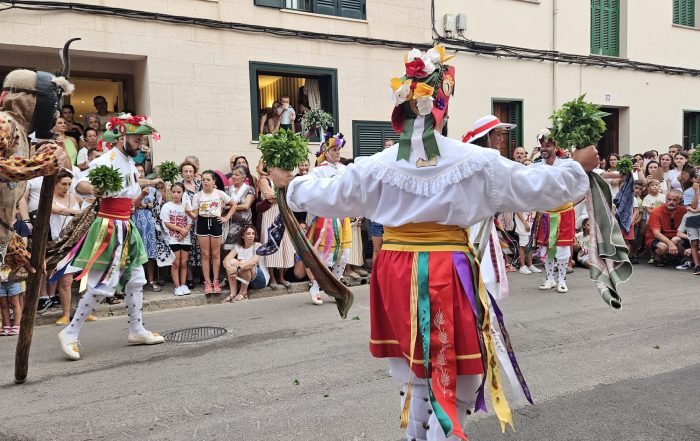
{"points": [[401, 90], [441, 52]]}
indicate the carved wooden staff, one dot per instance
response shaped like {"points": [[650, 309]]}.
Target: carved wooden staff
{"points": [[39, 238]]}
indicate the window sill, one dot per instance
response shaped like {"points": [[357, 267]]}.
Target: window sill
{"points": [[692, 28], [536, 2], [333, 17]]}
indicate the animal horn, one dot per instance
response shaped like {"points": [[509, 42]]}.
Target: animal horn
{"points": [[65, 57]]}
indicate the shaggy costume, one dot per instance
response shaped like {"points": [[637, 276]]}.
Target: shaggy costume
{"points": [[110, 256], [430, 312], [19, 114]]}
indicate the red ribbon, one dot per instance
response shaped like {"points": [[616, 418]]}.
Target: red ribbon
{"points": [[486, 127]]}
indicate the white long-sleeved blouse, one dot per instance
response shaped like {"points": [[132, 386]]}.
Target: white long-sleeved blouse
{"points": [[468, 184]]}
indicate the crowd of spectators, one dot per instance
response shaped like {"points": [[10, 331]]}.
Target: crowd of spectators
{"points": [[665, 226], [203, 231]]}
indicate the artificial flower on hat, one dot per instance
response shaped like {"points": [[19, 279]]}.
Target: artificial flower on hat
{"points": [[423, 92], [128, 124]]}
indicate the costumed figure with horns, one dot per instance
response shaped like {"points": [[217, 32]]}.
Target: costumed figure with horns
{"points": [[331, 237], [111, 254], [430, 311], [553, 230], [29, 102]]}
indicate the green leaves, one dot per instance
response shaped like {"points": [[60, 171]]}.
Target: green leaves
{"points": [[283, 149], [624, 165], [317, 118], [577, 123], [694, 158], [168, 171], [106, 178]]}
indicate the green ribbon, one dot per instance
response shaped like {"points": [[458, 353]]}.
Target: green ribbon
{"points": [[405, 140], [336, 233], [428, 136], [424, 329], [553, 236]]}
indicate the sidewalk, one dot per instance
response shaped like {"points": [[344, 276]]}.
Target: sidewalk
{"points": [[156, 301]]}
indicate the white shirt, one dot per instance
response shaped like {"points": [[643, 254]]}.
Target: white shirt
{"points": [[468, 184], [210, 204], [126, 167], [173, 213], [34, 192], [248, 253], [82, 156]]}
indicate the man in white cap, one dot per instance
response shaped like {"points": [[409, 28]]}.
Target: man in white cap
{"points": [[554, 230], [488, 132]]}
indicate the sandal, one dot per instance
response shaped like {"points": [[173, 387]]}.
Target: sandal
{"points": [[155, 287], [5, 331], [112, 300], [15, 330]]}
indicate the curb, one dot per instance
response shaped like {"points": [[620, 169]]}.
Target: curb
{"points": [[167, 300]]}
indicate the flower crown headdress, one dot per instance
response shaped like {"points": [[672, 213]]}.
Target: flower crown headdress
{"points": [[423, 92]]}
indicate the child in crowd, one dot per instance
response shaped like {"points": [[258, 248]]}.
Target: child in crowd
{"points": [[244, 265], [178, 223], [691, 220], [636, 218], [207, 207], [522, 229], [10, 293], [651, 201], [582, 242]]}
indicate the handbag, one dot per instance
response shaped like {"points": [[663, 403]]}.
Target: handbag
{"points": [[263, 204]]}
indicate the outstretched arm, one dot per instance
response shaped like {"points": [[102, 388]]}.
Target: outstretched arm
{"points": [[339, 196]]}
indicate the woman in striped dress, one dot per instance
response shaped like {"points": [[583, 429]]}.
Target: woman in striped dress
{"points": [[284, 258]]}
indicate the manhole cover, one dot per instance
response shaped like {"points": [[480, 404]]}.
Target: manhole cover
{"points": [[190, 335]]}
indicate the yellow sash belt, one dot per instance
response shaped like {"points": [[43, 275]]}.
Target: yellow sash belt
{"points": [[565, 207], [426, 236]]}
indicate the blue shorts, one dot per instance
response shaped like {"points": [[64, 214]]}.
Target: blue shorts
{"points": [[258, 281], [375, 229], [10, 289]]}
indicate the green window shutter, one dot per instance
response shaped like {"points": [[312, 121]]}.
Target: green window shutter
{"points": [[368, 137], [352, 8], [605, 27], [692, 121], [269, 3], [595, 26], [515, 116], [327, 7], [684, 12]]}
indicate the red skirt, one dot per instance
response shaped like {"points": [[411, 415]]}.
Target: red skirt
{"points": [[566, 232], [390, 312]]}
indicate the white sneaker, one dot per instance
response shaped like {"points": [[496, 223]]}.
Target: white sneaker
{"points": [[69, 346], [148, 338], [685, 265], [178, 291], [534, 269], [314, 291], [561, 287], [524, 270], [548, 284], [185, 290]]}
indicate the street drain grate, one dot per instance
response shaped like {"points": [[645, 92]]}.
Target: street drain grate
{"points": [[190, 335]]}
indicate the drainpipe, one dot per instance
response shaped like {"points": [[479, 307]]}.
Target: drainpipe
{"points": [[555, 65]]}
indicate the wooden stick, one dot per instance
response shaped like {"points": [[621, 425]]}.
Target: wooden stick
{"points": [[39, 238]]}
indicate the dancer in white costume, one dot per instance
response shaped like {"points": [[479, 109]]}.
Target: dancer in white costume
{"points": [[111, 254], [426, 290]]}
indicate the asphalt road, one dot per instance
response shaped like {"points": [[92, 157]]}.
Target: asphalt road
{"points": [[287, 370]]}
